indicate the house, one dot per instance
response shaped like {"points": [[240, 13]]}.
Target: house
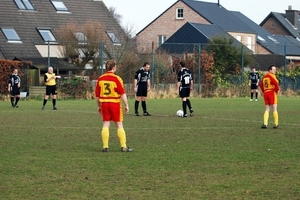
{"points": [[29, 30], [183, 11], [207, 20], [287, 23]]}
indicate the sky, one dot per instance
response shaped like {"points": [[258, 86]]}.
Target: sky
{"points": [[137, 14]]}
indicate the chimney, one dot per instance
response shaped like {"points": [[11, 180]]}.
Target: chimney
{"points": [[291, 15], [219, 3]]}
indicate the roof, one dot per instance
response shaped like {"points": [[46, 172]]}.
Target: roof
{"points": [[187, 38], [281, 18], [274, 43], [217, 14], [26, 22], [262, 62]]}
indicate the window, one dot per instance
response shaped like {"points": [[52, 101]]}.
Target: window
{"points": [[273, 39], [249, 42], [59, 5], [24, 5], [113, 37], [261, 39], [82, 39], [11, 35], [47, 35], [239, 38], [161, 39], [179, 13], [272, 25]]}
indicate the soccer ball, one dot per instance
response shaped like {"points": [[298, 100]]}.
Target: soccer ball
{"points": [[179, 113]]}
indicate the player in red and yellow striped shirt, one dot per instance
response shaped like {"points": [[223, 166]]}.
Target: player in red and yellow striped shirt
{"points": [[269, 86], [108, 92]]}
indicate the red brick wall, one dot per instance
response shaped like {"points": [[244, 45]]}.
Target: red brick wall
{"points": [[276, 28], [167, 25]]}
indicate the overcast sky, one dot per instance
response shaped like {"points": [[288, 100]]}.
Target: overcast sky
{"points": [[136, 14]]}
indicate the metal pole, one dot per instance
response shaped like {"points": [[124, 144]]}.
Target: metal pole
{"points": [[48, 53], [199, 68], [152, 64], [101, 57], [242, 78], [284, 80]]}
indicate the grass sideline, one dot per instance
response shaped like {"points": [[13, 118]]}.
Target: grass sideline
{"points": [[219, 153]]}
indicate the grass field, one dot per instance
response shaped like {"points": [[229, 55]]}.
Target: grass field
{"points": [[219, 153]]}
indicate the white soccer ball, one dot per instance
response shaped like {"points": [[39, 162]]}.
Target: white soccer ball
{"points": [[179, 113]]}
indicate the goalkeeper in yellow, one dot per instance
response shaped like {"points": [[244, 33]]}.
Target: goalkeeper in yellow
{"points": [[269, 86]]}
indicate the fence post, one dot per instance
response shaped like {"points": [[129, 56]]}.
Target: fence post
{"points": [[48, 53], [199, 68], [284, 79], [101, 57], [152, 64], [242, 74]]}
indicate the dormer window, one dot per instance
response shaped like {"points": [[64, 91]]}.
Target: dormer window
{"points": [[113, 38], [179, 13], [82, 39], [59, 5], [11, 35], [24, 5], [46, 34]]}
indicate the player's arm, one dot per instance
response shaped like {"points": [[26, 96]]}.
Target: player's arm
{"points": [[148, 84], [9, 85], [124, 99], [191, 85], [97, 95]]}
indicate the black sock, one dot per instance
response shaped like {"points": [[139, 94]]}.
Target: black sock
{"points": [[12, 100], [144, 106], [17, 100], [54, 102], [188, 103], [184, 107], [45, 101], [251, 95], [136, 105], [256, 95]]}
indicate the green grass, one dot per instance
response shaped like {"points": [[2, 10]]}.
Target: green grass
{"points": [[219, 153]]}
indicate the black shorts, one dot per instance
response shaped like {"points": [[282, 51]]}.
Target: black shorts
{"points": [[184, 92], [15, 91], [254, 86], [142, 90], [51, 90]]}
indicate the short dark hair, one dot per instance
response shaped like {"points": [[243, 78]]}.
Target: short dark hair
{"points": [[110, 64], [270, 67], [182, 63], [146, 63]]}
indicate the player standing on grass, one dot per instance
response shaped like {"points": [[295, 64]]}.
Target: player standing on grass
{"points": [[141, 88], [254, 83], [108, 92], [184, 87], [269, 86], [50, 81], [14, 88]]}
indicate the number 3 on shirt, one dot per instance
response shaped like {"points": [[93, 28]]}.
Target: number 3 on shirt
{"points": [[107, 89]]}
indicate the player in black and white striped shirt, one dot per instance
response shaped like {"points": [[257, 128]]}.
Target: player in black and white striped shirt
{"points": [[14, 88], [184, 87]]}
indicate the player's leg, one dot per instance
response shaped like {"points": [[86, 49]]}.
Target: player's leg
{"points": [[267, 110], [256, 93], [54, 95], [17, 95], [106, 118], [48, 92], [251, 94], [136, 105], [12, 101], [275, 113]]}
